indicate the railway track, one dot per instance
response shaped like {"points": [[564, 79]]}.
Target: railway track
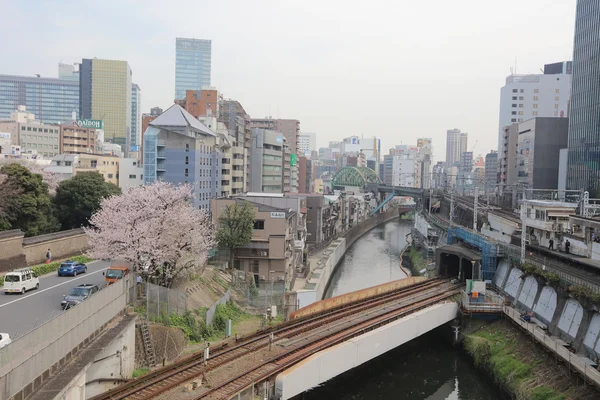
{"points": [[278, 363], [173, 375]]}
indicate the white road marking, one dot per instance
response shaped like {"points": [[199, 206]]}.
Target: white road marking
{"points": [[87, 274]]}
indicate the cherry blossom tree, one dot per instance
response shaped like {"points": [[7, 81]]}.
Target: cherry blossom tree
{"points": [[155, 228]]}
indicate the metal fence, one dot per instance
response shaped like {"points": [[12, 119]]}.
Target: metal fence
{"points": [[210, 314], [159, 300]]}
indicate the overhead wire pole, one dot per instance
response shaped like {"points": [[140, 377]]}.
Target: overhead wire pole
{"points": [[475, 209], [523, 227]]}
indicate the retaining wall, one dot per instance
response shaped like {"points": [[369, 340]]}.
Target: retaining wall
{"points": [[320, 276], [19, 251], [31, 359], [572, 319]]}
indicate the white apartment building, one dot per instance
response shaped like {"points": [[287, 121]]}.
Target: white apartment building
{"points": [[406, 171], [535, 95], [307, 142], [456, 144]]}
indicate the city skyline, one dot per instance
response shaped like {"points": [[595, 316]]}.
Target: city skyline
{"points": [[469, 69]]}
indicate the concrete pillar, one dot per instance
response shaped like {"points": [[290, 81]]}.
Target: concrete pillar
{"points": [[503, 283], [539, 291], [521, 283], [561, 302], [583, 328]]}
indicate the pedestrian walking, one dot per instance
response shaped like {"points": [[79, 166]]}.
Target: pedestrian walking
{"points": [[551, 245], [567, 246], [48, 256]]}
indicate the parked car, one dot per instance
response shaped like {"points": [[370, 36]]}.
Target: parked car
{"points": [[4, 340], [78, 295], [72, 268], [20, 281]]}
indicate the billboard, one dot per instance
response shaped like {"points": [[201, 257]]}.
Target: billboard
{"points": [[91, 123], [293, 159], [279, 139], [424, 142]]}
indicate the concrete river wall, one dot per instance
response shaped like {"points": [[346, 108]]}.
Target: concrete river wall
{"points": [[328, 259]]}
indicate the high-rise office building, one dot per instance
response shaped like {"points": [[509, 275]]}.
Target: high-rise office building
{"points": [[584, 126], [456, 144], [535, 95], [289, 127], [105, 94], [192, 65], [307, 143], [491, 171], [136, 108], [268, 162], [539, 142], [51, 100]]}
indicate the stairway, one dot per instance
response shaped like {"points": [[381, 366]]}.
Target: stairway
{"points": [[148, 346]]}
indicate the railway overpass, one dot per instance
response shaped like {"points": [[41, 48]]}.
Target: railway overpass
{"points": [[319, 342], [367, 180]]}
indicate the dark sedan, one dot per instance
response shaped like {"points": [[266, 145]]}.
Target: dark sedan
{"points": [[78, 295]]}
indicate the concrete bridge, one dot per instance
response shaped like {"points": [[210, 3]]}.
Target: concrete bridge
{"points": [[319, 342]]}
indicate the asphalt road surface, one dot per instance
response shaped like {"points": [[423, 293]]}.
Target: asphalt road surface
{"points": [[21, 313]]}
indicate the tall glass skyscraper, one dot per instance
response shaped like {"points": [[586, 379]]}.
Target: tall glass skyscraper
{"points": [[584, 123], [192, 65], [51, 100], [105, 93]]}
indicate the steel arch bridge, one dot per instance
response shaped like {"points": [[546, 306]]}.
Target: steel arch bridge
{"points": [[355, 176]]}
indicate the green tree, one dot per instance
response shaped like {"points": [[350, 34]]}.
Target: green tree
{"points": [[78, 198], [236, 225], [30, 208]]}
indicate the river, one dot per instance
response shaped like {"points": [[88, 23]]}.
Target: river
{"points": [[427, 367]]}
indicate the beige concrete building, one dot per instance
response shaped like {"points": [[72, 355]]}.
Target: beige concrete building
{"points": [[32, 134], [71, 164], [270, 255], [75, 139]]}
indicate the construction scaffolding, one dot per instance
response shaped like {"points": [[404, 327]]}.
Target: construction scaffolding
{"points": [[489, 250]]}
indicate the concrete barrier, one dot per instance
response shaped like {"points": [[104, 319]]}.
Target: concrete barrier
{"points": [[355, 296], [35, 356]]}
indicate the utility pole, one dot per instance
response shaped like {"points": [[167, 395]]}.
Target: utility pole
{"points": [[451, 207], [475, 210], [523, 228]]}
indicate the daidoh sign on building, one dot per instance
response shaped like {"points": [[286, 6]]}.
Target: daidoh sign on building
{"points": [[91, 123]]}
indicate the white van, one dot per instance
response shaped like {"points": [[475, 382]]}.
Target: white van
{"points": [[20, 281]]}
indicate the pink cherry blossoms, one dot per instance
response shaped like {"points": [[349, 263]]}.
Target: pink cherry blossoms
{"points": [[155, 228]]}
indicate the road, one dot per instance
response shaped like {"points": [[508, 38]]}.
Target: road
{"points": [[21, 313]]}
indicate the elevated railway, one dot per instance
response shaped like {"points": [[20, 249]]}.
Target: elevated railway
{"points": [[242, 362]]}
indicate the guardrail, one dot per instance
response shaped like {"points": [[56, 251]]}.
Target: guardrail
{"points": [[492, 303], [35, 356]]}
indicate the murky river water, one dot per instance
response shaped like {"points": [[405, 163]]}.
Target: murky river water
{"points": [[426, 368]]}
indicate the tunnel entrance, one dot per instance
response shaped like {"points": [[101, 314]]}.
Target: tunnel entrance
{"points": [[458, 261]]}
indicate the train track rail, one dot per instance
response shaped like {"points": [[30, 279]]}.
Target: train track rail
{"points": [[280, 362], [173, 375]]}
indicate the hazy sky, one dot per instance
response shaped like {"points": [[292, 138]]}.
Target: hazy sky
{"points": [[396, 69]]}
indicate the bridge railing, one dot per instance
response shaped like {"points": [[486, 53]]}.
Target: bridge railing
{"points": [[33, 357], [484, 303]]}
